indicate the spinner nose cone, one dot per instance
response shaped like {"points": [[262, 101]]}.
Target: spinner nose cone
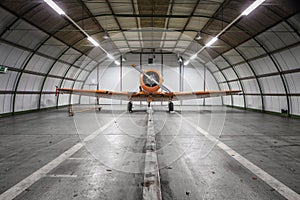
{"points": [[149, 81]]}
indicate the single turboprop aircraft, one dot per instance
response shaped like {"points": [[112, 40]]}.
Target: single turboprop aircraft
{"points": [[150, 83]]}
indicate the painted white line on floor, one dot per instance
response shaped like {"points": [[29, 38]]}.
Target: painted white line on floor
{"points": [[42, 172], [27, 182], [267, 178], [151, 187], [62, 176], [72, 158]]}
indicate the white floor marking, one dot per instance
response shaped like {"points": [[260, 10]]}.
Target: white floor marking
{"points": [[267, 178], [63, 176], [73, 158], [151, 187], [42, 172], [37, 175]]}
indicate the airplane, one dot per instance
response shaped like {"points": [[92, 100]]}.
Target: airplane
{"points": [[150, 84]]}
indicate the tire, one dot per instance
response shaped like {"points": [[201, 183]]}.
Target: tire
{"points": [[129, 107], [171, 107]]}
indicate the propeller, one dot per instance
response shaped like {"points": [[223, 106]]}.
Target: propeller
{"points": [[150, 78]]}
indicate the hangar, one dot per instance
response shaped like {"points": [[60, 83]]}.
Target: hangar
{"points": [[78, 146]]}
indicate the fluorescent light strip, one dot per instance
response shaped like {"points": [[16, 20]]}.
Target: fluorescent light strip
{"points": [[55, 7], [211, 41], [110, 56], [92, 40], [252, 7], [193, 56], [186, 62], [96, 44], [117, 62]]}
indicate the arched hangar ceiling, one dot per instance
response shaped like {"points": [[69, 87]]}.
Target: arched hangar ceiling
{"points": [[258, 53]]}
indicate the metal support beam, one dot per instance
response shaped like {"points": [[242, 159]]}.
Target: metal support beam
{"points": [[121, 75], [204, 83], [181, 77]]}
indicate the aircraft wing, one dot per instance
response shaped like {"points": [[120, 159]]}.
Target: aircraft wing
{"points": [[108, 94], [203, 94], [96, 93], [143, 96]]}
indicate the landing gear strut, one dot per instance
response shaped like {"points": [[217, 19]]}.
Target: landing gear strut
{"points": [[171, 106], [129, 106]]}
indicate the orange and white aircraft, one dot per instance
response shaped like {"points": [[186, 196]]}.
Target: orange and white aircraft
{"points": [[150, 83]]}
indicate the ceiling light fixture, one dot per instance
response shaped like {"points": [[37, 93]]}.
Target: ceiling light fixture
{"points": [[211, 41], [179, 59], [55, 7], [252, 7], [198, 36], [94, 42], [105, 35]]}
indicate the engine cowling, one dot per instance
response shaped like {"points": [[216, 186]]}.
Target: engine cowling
{"points": [[147, 84]]}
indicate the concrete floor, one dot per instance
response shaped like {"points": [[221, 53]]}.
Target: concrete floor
{"points": [[110, 164]]}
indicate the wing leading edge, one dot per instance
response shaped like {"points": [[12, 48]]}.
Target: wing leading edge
{"points": [[204, 94], [143, 96]]}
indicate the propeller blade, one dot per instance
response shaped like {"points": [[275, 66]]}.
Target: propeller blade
{"points": [[150, 78]]}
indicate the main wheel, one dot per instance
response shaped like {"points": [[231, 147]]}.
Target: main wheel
{"points": [[129, 106], [171, 106]]}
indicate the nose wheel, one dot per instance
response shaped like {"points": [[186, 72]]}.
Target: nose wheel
{"points": [[129, 106], [171, 106]]}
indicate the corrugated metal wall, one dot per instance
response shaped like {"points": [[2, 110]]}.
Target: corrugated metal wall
{"points": [[266, 67]]}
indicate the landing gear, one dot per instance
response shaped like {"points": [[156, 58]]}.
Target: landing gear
{"points": [[70, 111], [148, 107], [171, 106], [129, 106]]}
